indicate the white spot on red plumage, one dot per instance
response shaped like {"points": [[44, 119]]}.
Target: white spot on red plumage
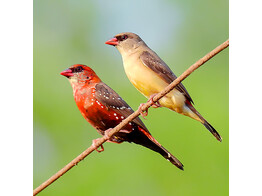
{"points": [[117, 118], [122, 117], [115, 114]]}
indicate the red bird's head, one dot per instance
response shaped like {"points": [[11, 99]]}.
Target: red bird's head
{"points": [[80, 74]]}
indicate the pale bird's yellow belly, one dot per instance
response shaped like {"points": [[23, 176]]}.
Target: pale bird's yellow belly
{"points": [[149, 83]]}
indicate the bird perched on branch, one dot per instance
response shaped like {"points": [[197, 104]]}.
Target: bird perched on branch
{"points": [[104, 109], [150, 75]]}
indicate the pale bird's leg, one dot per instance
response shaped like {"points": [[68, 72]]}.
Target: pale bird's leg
{"points": [[143, 114], [155, 105]]}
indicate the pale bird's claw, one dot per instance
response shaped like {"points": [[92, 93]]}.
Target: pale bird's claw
{"points": [[145, 113], [156, 104]]}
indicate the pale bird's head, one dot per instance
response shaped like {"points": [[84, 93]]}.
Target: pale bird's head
{"points": [[126, 42]]}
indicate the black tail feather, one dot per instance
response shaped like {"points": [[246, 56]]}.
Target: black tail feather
{"points": [[168, 156], [204, 122], [212, 130], [140, 138]]}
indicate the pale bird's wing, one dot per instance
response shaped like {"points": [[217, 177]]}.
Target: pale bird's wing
{"points": [[153, 62], [109, 98]]}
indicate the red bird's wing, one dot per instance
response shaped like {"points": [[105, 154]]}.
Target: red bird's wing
{"points": [[109, 98], [139, 134], [160, 67]]}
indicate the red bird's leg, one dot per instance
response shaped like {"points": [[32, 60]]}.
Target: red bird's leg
{"points": [[106, 133], [155, 105], [94, 142]]}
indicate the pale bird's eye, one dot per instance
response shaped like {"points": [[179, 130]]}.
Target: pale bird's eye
{"points": [[122, 37]]}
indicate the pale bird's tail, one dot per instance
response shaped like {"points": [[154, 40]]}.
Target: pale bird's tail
{"points": [[196, 115]]}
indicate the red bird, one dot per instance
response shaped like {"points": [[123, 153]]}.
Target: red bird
{"points": [[103, 108]]}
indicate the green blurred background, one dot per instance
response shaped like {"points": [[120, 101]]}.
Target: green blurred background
{"points": [[67, 32]]}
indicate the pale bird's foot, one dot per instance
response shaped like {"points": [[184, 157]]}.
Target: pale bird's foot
{"points": [[156, 104], [143, 113]]}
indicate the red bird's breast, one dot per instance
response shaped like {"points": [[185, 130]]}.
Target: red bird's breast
{"points": [[102, 116]]}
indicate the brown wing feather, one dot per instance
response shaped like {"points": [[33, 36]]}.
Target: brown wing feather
{"points": [[109, 98], [156, 64]]}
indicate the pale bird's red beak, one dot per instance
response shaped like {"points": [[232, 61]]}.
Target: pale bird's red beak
{"points": [[112, 42], [67, 73]]}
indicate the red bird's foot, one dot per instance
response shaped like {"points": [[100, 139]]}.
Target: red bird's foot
{"points": [[94, 144], [156, 104], [106, 133]]}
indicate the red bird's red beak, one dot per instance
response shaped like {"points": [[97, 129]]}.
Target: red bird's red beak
{"points": [[67, 73], [112, 42]]}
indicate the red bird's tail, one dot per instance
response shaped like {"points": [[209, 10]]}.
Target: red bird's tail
{"points": [[143, 138]]}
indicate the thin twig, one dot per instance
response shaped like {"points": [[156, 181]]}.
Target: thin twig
{"points": [[132, 116]]}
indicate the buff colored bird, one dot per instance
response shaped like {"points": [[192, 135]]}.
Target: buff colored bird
{"points": [[150, 75], [103, 108]]}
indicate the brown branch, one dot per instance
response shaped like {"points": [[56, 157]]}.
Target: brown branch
{"points": [[132, 116]]}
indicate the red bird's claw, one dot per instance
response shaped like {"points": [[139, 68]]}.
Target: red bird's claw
{"points": [[156, 104], [145, 113], [106, 133], [94, 142]]}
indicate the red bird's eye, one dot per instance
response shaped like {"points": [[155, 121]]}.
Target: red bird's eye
{"points": [[78, 69]]}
